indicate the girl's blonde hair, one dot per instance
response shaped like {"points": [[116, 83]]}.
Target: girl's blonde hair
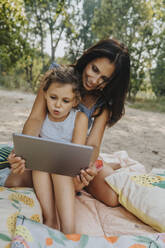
{"points": [[63, 75]]}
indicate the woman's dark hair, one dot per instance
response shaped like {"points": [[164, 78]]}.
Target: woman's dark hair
{"points": [[114, 93], [62, 75]]}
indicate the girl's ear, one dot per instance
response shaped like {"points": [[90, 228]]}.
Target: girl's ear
{"points": [[45, 95], [76, 101]]}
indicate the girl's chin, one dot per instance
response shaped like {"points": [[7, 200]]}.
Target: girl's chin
{"points": [[54, 117]]}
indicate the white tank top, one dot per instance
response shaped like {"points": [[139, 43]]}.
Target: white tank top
{"points": [[61, 131]]}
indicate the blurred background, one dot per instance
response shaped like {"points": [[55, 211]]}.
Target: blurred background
{"points": [[34, 33]]}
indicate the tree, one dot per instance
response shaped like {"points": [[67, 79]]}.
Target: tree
{"points": [[157, 73], [79, 34], [11, 43], [47, 18], [36, 30], [132, 23]]}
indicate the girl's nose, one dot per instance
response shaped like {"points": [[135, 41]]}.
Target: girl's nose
{"points": [[57, 103]]}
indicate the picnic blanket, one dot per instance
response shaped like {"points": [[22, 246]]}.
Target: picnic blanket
{"points": [[95, 222]]}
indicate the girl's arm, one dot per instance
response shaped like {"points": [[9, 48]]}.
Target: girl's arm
{"points": [[96, 134]]}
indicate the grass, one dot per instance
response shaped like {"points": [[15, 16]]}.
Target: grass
{"points": [[154, 105]]}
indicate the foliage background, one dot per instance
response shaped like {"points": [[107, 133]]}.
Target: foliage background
{"points": [[26, 24]]}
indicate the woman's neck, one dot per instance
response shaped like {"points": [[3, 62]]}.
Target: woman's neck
{"points": [[89, 100]]}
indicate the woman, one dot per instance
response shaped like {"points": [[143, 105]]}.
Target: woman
{"points": [[105, 72]]}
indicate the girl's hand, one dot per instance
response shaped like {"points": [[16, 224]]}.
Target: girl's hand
{"points": [[17, 163], [83, 180]]}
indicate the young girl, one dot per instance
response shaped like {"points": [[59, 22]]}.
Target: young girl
{"points": [[63, 122]]}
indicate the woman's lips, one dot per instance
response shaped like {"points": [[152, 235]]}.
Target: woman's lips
{"points": [[89, 85]]}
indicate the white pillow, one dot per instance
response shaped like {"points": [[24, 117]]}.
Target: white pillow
{"points": [[143, 195]]}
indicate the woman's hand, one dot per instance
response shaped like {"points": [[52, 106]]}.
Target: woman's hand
{"points": [[17, 163], [83, 180]]}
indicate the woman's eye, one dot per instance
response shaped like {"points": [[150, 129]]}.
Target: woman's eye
{"points": [[94, 68], [104, 79]]}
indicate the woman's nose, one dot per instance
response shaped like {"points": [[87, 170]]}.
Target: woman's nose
{"points": [[95, 80]]}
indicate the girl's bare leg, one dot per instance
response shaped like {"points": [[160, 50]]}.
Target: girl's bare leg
{"points": [[44, 190], [99, 189], [65, 201], [16, 180]]}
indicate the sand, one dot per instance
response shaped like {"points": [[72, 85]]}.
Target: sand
{"points": [[140, 133]]}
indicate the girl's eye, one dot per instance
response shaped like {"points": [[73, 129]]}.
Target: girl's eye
{"points": [[66, 101], [53, 97], [94, 68]]}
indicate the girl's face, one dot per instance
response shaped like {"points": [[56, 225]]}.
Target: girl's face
{"points": [[60, 100], [96, 72]]}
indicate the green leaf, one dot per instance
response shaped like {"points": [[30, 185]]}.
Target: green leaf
{"points": [[14, 205], [16, 201], [25, 192], [161, 174], [18, 191], [54, 237], [39, 245], [145, 240], [83, 241], [160, 184], [5, 237], [12, 190]]}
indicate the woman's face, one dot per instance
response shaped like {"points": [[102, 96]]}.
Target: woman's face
{"points": [[96, 73]]}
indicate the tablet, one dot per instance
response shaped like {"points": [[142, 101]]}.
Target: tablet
{"points": [[52, 156]]}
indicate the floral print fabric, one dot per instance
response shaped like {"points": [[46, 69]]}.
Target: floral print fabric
{"points": [[30, 234], [13, 202]]}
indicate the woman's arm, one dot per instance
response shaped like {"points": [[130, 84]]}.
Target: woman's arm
{"points": [[96, 134], [31, 127], [35, 120], [79, 137], [80, 129]]}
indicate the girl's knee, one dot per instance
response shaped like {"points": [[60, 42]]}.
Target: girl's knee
{"points": [[11, 182], [24, 180]]}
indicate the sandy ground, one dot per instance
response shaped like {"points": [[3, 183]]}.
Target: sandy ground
{"points": [[140, 133]]}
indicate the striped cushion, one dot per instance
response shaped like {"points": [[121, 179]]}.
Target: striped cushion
{"points": [[4, 153]]}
